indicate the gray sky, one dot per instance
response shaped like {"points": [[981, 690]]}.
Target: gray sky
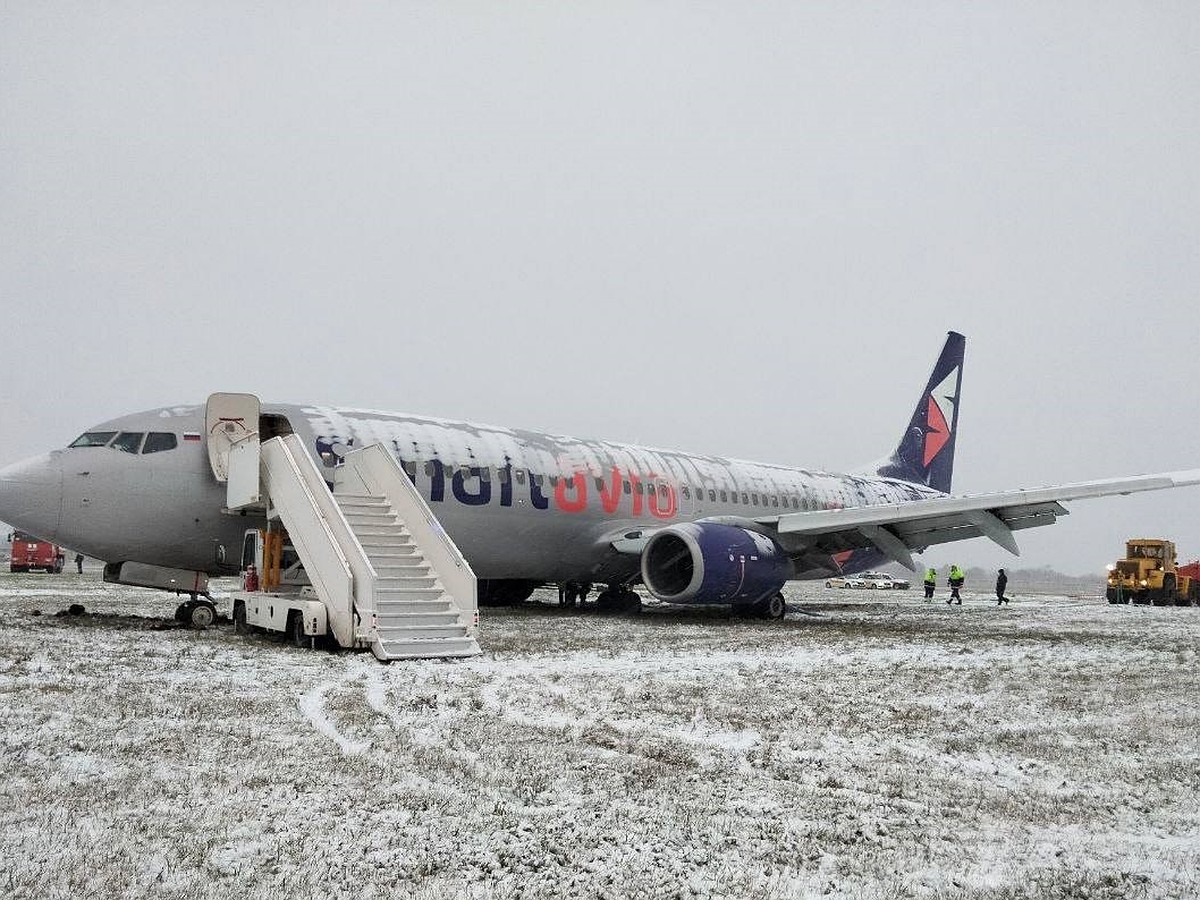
{"points": [[729, 228]]}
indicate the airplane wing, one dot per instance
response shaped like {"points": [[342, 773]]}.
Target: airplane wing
{"points": [[896, 529]]}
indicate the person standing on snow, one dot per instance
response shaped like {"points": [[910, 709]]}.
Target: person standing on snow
{"points": [[930, 582], [1001, 584], [956, 582]]}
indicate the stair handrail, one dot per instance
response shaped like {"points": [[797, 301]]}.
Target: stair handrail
{"points": [[337, 566], [381, 474]]}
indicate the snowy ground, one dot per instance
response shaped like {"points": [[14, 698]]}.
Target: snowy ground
{"points": [[871, 745]]}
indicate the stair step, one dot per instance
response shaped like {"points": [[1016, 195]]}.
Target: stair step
{"points": [[398, 591], [419, 581], [427, 649], [390, 622], [399, 567], [422, 632], [413, 607], [380, 531], [363, 517]]}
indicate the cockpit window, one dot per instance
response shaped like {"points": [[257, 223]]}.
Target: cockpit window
{"points": [[158, 441], [93, 439], [129, 441]]}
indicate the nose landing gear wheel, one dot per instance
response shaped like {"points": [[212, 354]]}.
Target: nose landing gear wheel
{"points": [[198, 614]]}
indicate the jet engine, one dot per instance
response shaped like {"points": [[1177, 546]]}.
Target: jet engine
{"points": [[701, 562]]}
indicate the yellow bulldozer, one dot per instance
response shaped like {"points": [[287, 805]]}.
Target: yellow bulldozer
{"points": [[1149, 573]]}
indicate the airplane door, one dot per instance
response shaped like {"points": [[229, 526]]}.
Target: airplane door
{"points": [[229, 420]]}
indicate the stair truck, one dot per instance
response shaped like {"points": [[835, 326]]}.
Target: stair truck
{"points": [[276, 594], [1149, 574]]}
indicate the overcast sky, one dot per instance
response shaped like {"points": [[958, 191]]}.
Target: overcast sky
{"points": [[732, 228]]}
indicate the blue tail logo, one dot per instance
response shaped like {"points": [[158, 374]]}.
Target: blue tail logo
{"points": [[925, 454]]}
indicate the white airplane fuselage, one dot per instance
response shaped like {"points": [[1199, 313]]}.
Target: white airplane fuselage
{"points": [[520, 504]]}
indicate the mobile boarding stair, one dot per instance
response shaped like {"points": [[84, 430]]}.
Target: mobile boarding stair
{"points": [[385, 574]]}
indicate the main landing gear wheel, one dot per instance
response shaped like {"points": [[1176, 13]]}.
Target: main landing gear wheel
{"points": [[619, 600], [774, 607]]}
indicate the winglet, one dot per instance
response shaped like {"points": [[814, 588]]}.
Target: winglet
{"points": [[925, 454]]}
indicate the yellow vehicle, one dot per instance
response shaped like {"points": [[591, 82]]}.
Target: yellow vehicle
{"points": [[1149, 574]]}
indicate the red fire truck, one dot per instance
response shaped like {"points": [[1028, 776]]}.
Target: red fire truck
{"points": [[29, 553]]}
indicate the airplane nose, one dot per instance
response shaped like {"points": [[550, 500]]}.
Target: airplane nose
{"points": [[31, 495]]}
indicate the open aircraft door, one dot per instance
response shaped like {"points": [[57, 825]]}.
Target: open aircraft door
{"points": [[231, 424]]}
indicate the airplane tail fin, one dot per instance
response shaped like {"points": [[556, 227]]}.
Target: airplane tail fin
{"points": [[925, 454]]}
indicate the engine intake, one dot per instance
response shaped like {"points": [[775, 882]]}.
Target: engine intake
{"points": [[698, 562]]}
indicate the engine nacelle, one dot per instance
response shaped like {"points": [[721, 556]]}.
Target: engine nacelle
{"points": [[700, 562]]}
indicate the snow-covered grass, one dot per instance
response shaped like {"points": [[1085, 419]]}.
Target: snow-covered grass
{"points": [[871, 745]]}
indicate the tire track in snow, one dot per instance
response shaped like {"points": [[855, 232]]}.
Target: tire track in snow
{"points": [[312, 705]]}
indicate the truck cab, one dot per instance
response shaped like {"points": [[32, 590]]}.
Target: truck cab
{"points": [[28, 553], [1149, 574], [276, 593]]}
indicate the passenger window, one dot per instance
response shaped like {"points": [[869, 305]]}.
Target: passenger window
{"points": [[93, 439], [712, 495], [754, 499], [628, 489], [733, 495], [745, 498], [775, 501], [599, 484], [158, 441], [687, 494], [128, 441], [724, 498]]}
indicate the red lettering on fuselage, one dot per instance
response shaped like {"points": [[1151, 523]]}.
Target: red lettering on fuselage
{"points": [[663, 501], [610, 491], [570, 493], [579, 504]]}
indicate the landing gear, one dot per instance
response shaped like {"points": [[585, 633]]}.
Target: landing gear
{"points": [[773, 607], [572, 592], [197, 614], [618, 598]]}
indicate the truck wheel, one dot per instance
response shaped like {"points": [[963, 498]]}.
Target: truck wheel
{"points": [[295, 631], [239, 618]]}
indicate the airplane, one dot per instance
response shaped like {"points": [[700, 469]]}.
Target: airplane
{"points": [[529, 509]]}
